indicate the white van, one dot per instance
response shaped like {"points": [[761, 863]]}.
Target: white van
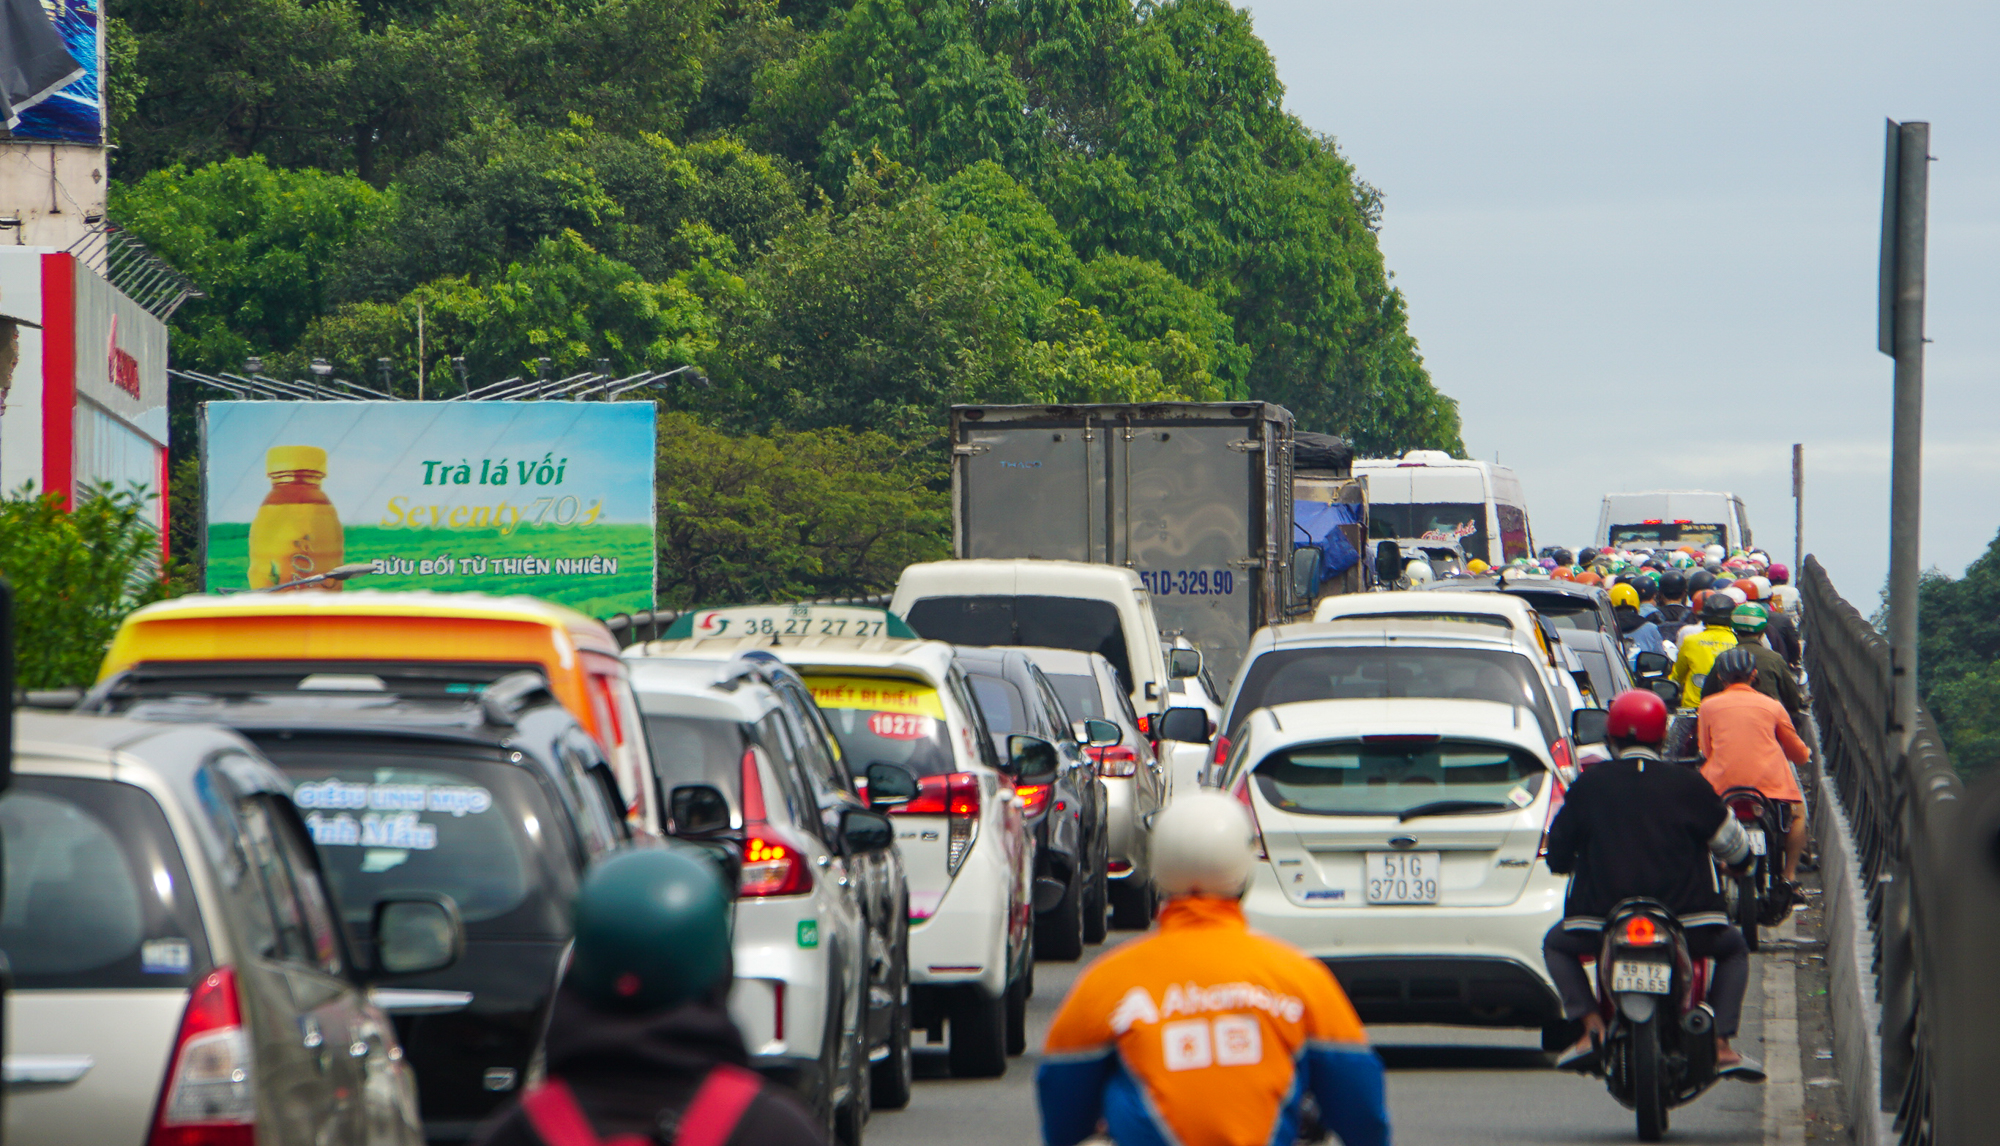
{"points": [[1665, 519], [1428, 495]]}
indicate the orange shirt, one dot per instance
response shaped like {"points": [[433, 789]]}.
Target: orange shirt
{"points": [[1747, 738]]}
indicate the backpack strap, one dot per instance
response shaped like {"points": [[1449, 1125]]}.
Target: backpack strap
{"points": [[717, 1108], [553, 1111]]}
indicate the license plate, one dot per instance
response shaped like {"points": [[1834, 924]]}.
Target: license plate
{"points": [[1757, 843], [1645, 978], [1403, 877]]}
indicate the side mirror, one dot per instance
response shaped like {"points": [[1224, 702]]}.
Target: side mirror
{"points": [[889, 785], [1102, 733], [697, 810], [1306, 563], [866, 831], [1668, 692], [415, 934], [1388, 563], [1652, 664], [1183, 663], [1030, 759], [1587, 725], [1187, 725]]}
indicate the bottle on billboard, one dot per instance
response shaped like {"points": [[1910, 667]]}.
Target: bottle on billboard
{"points": [[296, 532]]}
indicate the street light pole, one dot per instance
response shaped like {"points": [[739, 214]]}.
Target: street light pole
{"points": [[1906, 190]]}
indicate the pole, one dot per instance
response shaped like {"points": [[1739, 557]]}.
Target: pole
{"points": [[420, 352], [1910, 160], [1798, 507]]}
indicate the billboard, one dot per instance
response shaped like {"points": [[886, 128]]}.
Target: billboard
{"points": [[549, 499], [74, 112]]}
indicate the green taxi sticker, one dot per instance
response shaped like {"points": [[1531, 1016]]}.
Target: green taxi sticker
{"points": [[808, 932]]}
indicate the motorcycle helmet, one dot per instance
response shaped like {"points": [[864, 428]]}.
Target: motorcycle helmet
{"points": [[1561, 573], [652, 930], [1734, 666], [1646, 587], [1476, 566], [1586, 557], [1736, 595], [1716, 608], [1565, 557], [1715, 552], [1763, 587], [1589, 577], [1203, 845], [1624, 594], [1636, 716], [1700, 581], [1752, 619], [1419, 574], [1673, 585], [1779, 575]]}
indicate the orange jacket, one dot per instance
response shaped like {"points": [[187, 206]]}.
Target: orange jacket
{"points": [[1205, 1033], [1747, 738]]}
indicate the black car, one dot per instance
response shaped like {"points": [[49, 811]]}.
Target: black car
{"points": [[1565, 604], [1069, 818], [489, 793]]}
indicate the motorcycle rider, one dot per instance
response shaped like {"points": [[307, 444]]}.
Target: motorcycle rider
{"points": [[1643, 633], [640, 1044], [1751, 624], [1198, 1032], [1782, 634], [1784, 594], [1636, 825], [1673, 598], [1749, 741], [1699, 650]]}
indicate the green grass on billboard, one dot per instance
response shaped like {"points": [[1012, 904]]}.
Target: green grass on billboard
{"points": [[597, 594]]}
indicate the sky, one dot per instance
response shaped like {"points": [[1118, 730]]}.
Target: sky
{"points": [[1640, 244]]}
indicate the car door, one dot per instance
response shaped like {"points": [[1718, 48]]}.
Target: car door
{"points": [[1079, 769]]}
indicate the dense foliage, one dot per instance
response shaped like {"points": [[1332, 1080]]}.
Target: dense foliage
{"points": [[75, 576], [1958, 658]]}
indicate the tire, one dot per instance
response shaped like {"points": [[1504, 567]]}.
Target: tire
{"points": [[1017, 1016], [1649, 1083], [1059, 934], [1095, 905], [890, 1081], [978, 1035], [1748, 906], [1132, 903]]}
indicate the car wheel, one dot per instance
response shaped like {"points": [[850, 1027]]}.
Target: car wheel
{"points": [[978, 1035], [889, 1083], [1059, 934], [1017, 1015], [1132, 903]]}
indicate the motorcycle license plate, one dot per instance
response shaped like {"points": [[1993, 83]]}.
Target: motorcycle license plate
{"points": [[1757, 843], [1645, 978], [1403, 877]]}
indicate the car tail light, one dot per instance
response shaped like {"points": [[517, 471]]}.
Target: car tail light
{"points": [[772, 864], [1145, 726], [954, 795], [1549, 818], [1034, 798], [1565, 760], [210, 1098], [1221, 754], [777, 1010], [1257, 829], [1116, 761]]}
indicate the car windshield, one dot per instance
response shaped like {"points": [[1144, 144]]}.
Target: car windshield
{"points": [[1079, 695], [96, 895], [398, 820], [1392, 776], [898, 722], [1287, 676], [1079, 623], [1659, 534]]}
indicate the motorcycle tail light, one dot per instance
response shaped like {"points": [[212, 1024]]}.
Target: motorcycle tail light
{"points": [[1641, 931], [1746, 809]]}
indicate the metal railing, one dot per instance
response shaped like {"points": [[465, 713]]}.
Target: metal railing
{"points": [[1930, 860]]}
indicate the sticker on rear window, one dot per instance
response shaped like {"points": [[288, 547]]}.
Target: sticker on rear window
{"points": [[166, 956], [390, 812], [876, 693], [901, 726]]}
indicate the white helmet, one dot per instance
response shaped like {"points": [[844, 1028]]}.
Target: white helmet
{"points": [[1736, 595], [1763, 585], [1419, 574], [1202, 845], [1715, 552]]}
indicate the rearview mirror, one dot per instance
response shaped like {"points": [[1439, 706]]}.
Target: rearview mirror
{"points": [[1101, 733], [889, 785], [1388, 563], [1306, 562], [1187, 725], [1030, 759], [1651, 664], [1587, 725], [1183, 663], [1668, 692], [415, 934], [697, 810], [866, 831]]}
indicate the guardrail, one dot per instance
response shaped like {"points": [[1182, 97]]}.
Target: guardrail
{"points": [[1929, 850]]}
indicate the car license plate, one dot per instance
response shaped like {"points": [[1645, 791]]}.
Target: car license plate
{"points": [[1403, 877], [1645, 978], [1757, 842]]}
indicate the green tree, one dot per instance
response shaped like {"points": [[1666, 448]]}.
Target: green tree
{"points": [[1958, 658], [75, 576]]}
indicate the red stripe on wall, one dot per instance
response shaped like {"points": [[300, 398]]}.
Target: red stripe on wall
{"points": [[59, 376]]}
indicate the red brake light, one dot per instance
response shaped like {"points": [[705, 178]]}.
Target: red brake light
{"points": [[1146, 725], [771, 867], [209, 1098], [1243, 794], [1640, 931], [1115, 761], [1745, 809], [1549, 818], [1564, 760], [1221, 754], [955, 794], [753, 789], [1034, 798]]}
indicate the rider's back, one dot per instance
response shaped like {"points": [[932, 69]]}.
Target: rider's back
{"points": [[1638, 826], [1748, 739]]}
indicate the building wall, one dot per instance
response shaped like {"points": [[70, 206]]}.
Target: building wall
{"points": [[50, 193]]}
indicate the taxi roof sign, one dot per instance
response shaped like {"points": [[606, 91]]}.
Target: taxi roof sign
{"points": [[781, 621]]}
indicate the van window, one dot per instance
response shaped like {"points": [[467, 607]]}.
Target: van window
{"points": [[1514, 539], [1666, 534], [1349, 778], [95, 895], [1464, 522], [1288, 676], [1079, 623]]}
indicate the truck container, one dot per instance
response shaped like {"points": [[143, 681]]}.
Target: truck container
{"points": [[1196, 497]]}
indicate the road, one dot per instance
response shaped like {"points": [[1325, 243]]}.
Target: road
{"points": [[1448, 1086]]}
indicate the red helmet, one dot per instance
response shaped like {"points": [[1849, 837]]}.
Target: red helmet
{"points": [[1638, 715], [1778, 574]]}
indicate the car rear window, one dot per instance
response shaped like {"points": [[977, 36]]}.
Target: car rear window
{"points": [[882, 721], [390, 822], [1001, 702], [1567, 612], [1394, 775], [697, 750], [1079, 623], [1079, 695], [1288, 676], [96, 894]]}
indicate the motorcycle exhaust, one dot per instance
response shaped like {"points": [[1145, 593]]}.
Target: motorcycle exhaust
{"points": [[1699, 1021]]}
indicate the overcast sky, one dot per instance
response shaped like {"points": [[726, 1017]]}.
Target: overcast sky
{"points": [[1639, 244]]}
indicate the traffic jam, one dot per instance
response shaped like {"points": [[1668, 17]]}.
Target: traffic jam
{"points": [[1287, 743]]}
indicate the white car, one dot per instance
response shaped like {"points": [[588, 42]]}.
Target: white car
{"points": [[897, 702], [1186, 762], [1402, 843]]}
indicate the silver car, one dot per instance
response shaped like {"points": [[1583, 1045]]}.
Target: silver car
{"points": [[180, 969]]}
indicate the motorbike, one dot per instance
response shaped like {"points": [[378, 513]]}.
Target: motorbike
{"points": [[1659, 1044], [1759, 898]]}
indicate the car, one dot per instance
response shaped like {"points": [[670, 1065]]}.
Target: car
{"points": [[1187, 762], [905, 720], [1400, 842], [1603, 658], [1136, 783], [1070, 817], [489, 792], [1564, 604], [822, 913], [179, 969]]}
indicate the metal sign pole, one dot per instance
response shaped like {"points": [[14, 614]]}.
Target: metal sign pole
{"points": [[1798, 508], [1906, 187]]}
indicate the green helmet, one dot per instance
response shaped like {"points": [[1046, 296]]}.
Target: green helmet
{"points": [[1749, 618], [652, 930]]}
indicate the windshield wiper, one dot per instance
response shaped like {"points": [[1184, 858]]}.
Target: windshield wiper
{"points": [[1448, 807]]}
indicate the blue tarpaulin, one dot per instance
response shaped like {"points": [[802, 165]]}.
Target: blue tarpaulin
{"points": [[1318, 523]]}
